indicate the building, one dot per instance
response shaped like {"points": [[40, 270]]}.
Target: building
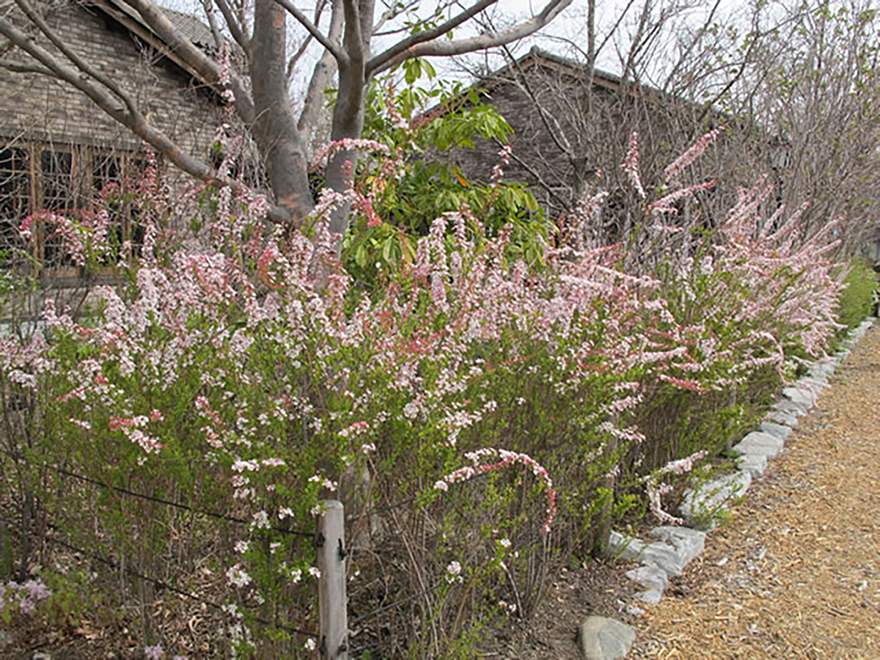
{"points": [[58, 150], [572, 128]]}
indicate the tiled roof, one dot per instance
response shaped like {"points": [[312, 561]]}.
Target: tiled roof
{"points": [[192, 27]]}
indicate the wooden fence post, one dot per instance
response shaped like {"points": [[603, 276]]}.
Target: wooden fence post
{"points": [[332, 601]]}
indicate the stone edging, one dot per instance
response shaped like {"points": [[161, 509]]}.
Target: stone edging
{"points": [[672, 548]]}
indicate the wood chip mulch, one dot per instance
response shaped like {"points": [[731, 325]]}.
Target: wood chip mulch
{"points": [[796, 572]]}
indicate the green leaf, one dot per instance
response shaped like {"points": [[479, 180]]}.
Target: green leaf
{"points": [[360, 255]]}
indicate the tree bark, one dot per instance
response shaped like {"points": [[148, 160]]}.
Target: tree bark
{"points": [[275, 127]]}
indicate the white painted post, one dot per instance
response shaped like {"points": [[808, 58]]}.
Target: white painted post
{"points": [[332, 600]]}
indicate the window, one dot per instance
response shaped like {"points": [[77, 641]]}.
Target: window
{"points": [[66, 180], [15, 196], [58, 194]]}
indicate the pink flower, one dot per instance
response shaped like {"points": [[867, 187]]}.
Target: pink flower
{"points": [[631, 165], [153, 652]]}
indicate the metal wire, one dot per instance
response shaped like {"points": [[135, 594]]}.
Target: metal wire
{"points": [[159, 583], [159, 500], [369, 615]]}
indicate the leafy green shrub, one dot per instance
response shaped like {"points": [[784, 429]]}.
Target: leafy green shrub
{"points": [[224, 380], [858, 298]]}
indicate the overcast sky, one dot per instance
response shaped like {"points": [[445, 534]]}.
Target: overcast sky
{"points": [[559, 37]]}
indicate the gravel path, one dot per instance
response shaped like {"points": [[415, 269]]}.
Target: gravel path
{"points": [[796, 573]]}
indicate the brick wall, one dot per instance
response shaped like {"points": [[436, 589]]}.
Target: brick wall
{"points": [[36, 107]]}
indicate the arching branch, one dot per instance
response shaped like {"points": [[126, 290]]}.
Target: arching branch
{"points": [[441, 48]]}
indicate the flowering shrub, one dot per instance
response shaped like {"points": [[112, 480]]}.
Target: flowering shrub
{"points": [[23, 597], [214, 373]]}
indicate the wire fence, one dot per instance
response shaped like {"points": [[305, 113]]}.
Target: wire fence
{"points": [[158, 500], [316, 536], [161, 584]]}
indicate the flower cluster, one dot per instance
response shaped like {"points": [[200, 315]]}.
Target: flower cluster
{"points": [[508, 458], [233, 378], [25, 596]]}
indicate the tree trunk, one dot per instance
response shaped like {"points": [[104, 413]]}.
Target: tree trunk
{"points": [[275, 127]]}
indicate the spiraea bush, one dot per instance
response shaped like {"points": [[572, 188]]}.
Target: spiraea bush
{"points": [[511, 407]]}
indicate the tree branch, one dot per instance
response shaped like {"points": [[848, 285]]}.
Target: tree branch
{"points": [[19, 67], [74, 57], [353, 40], [303, 20], [393, 12], [212, 23], [207, 68], [291, 63], [437, 48], [550, 123], [321, 75], [235, 28], [129, 117], [428, 35]]}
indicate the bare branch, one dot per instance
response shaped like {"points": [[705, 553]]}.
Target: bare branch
{"points": [[438, 48], [685, 56], [312, 29], [20, 67], [353, 40], [291, 63], [428, 35], [534, 172], [235, 28], [613, 29], [321, 76], [393, 12], [550, 123], [212, 23], [129, 117], [74, 57]]}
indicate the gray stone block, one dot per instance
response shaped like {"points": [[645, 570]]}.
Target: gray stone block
{"points": [[780, 417], [754, 464], [664, 556], [791, 408], [780, 431], [651, 577], [822, 369], [688, 543], [799, 396], [651, 596], [760, 443], [625, 547], [699, 507], [602, 638]]}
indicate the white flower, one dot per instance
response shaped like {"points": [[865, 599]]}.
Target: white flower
{"points": [[505, 543], [260, 520], [315, 572], [454, 572], [310, 644], [237, 577], [442, 485], [241, 547]]}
